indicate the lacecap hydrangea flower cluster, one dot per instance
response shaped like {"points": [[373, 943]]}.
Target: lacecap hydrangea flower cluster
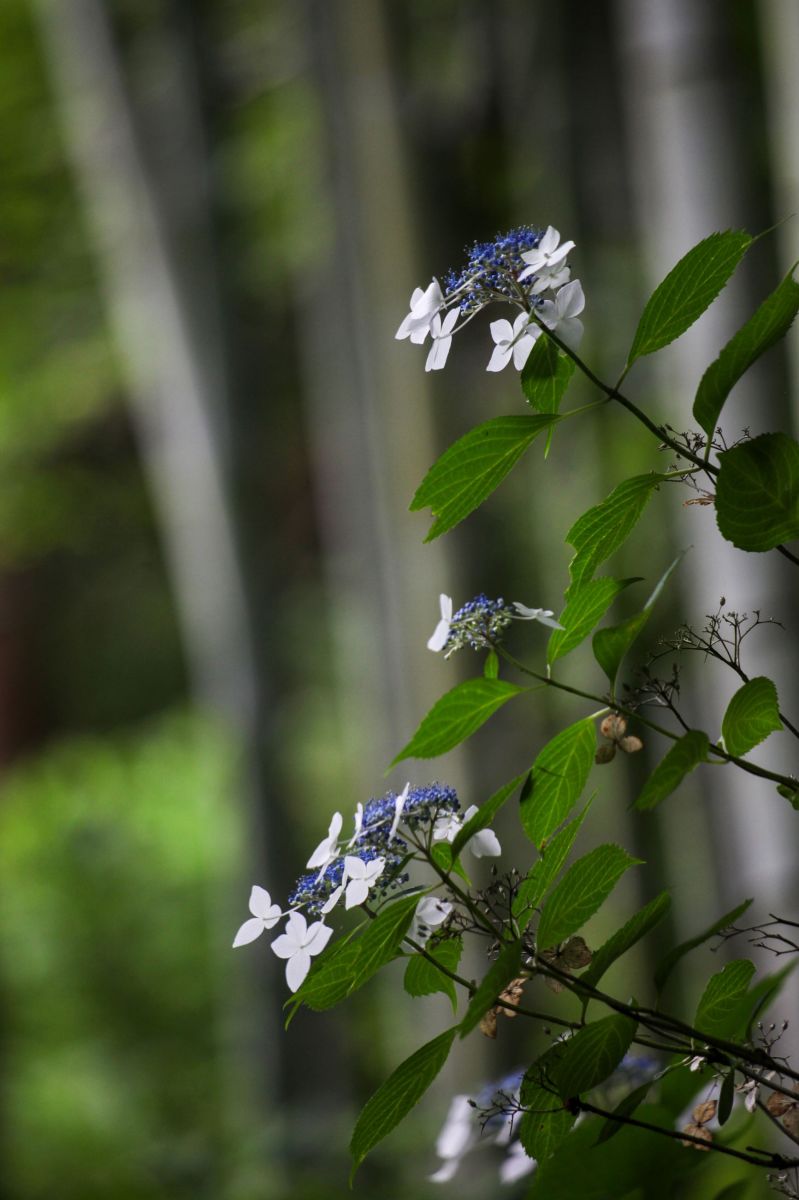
{"points": [[366, 866], [526, 268], [480, 623]]}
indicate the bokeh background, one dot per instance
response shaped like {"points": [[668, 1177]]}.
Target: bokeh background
{"points": [[213, 601]]}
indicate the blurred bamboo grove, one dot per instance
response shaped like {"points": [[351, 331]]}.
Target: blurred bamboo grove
{"points": [[214, 601]]}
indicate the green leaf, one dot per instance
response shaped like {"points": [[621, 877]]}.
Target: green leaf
{"points": [[738, 1190], [585, 886], [586, 604], [534, 887], [757, 492], [670, 961], [545, 377], [606, 526], [343, 973], [758, 999], [718, 1009], [593, 1054], [491, 665], [394, 1099], [559, 775], [496, 980], [626, 937], [685, 754], [752, 714], [422, 978], [625, 1108], [611, 645], [456, 716], [688, 289], [469, 471], [771, 322], [485, 814], [726, 1098], [545, 1122]]}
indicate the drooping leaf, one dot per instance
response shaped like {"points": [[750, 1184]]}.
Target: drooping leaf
{"points": [[771, 322], [394, 1099], [625, 1108], [719, 1007], [586, 604], [606, 526], [669, 962], [495, 981], [422, 978], [593, 1054], [485, 814], [585, 886], [757, 492], [545, 1122], [559, 775], [456, 716], [545, 377], [726, 1098], [684, 755], [468, 472], [688, 289], [611, 645], [626, 937], [343, 973], [752, 714], [534, 887]]}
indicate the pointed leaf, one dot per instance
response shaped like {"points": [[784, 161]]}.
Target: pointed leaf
{"points": [[581, 891], [670, 961], [545, 1122], [688, 289], [422, 978], [546, 376], [752, 714], [771, 322], [496, 980], [534, 887], [757, 492], [559, 775], [593, 1054], [485, 814], [625, 1108], [469, 471], [456, 716], [719, 1007], [394, 1099], [606, 526], [626, 937], [586, 604], [685, 754], [726, 1098], [611, 645]]}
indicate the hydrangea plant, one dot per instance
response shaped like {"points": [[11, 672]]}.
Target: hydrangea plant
{"points": [[625, 1090]]}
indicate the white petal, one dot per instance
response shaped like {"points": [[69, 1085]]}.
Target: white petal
{"points": [[558, 255], [374, 870], [526, 273], [332, 900], [405, 327], [445, 603], [260, 901], [355, 867], [357, 892], [297, 968], [548, 313], [439, 352], [284, 946], [459, 1129], [501, 331], [570, 300], [570, 332], [419, 331], [500, 358], [432, 911], [448, 324], [438, 640], [399, 804], [248, 932], [485, 844], [358, 824], [321, 855], [521, 351], [549, 241], [446, 1171], [318, 936], [519, 324], [470, 811]]}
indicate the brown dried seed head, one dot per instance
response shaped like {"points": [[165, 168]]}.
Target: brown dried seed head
{"points": [[512, 995], [605, 753], [705, 1112], [778, 1103], [575, 954], [613, 726], [698, 1131], [791, 1121], [631, 744], [488, 1023]]}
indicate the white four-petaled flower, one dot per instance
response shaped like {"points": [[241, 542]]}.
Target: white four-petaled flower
{"points": [[560, 315], [544, 615], [298, 944], [438, 640], [424, 306], [361, 876], [484, 844], [512, 341], [545, 261], [327, 850], [441, 333], [430, 912], [265, 915]]}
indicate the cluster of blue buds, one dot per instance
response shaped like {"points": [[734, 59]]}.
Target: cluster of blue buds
{"points": [[478, 624], [492, 270]]}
